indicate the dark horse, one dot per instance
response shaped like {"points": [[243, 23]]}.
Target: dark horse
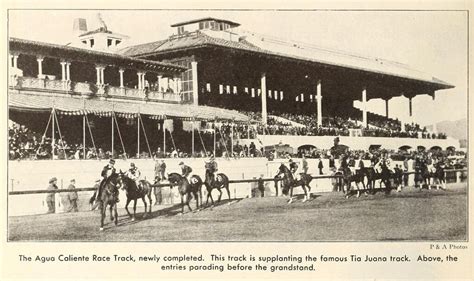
{"points": [[288, 182], [221, 181], [134, 193], [384, 176], [108, 197], [436, 172], [187, 188], [348, 178]]}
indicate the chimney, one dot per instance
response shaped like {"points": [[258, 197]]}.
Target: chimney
{"points": [[80, 26]]}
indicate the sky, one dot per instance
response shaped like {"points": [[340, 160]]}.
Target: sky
{"points": [[433, 42]]}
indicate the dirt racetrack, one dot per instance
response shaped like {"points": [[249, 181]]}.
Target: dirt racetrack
{"points": [[411, 215]]}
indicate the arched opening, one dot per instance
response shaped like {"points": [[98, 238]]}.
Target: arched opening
{"points": [[420, 148], [404, 148], [451, 148], [435, 148], [307, 150]]}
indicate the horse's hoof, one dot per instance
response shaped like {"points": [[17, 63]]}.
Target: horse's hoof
{"points": [[101, 229], [347, 196], [133, 219]]}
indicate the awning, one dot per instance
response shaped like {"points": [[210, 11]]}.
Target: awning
{"points": [[125, 109]]}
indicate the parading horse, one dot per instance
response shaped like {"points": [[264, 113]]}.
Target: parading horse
{"points": [[134, 193], [379, 172], [221, 181], [193, 187], [348, 177], [108, 197], [435, 172], [289, 182]]}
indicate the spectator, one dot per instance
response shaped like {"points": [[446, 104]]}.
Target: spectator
{"points": [[50, 197], [72, 195]]}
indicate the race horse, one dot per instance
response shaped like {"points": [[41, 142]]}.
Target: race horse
{"points": [[435, 172], [288, 182], [108, 197], [221, 181], [134, 193], [193, 187], [379, 172], [349, 177]]}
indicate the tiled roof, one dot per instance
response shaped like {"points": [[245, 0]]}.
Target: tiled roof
{"points": [[79, 106], [280, 48]]}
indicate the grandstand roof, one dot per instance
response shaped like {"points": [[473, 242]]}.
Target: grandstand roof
{"points": [[277, 48], [205, 19], [79, 54], [80, 106]]}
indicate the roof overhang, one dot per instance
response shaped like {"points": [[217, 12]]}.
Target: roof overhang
{"points": [[37, 48]]}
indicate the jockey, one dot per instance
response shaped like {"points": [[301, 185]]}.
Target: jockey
{"points": [[293, 168], [211, 169], [134, 174], [107, 172], [185, 171]]}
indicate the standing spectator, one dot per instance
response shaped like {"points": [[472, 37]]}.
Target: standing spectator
{"points": [[50, 197], [332, 163], [405, 171], [304, 165], [72, 197], [160, 170], [320, 166]]}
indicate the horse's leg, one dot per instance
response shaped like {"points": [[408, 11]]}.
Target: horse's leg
{"points": [[126, 207], [116, 213], [111, 216], [220, 195], [150, 190], [305, 192], [102, 215], [291, 195], [144, 203], [200, 197], [134, 208], [228, 191], [188, 199], [182, 204], [196, 197]]}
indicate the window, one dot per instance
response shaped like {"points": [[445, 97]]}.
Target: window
{"points": [[92, 43], [253, 92], [117, 42], [180, 29], [208, 87], [302, 97], [109, 42], [234, 90], [227, 89], [201, 25], [206, 25], [246, 90], [269, 93], [259, 92], [276, 95], [84, 42], [221, 89], [281, 95]]}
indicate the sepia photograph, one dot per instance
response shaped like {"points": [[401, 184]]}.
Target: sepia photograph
{"points": [[237, 125]]}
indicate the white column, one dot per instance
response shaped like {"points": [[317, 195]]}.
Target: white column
{"points": [[160, 77], [40, 66], [68, 72], [139, 74], [15, 60], [63, 70], [319, 103], [102, 79], [195, 82], [364, 107], [98, 72], [121, 77], [263, 95]]}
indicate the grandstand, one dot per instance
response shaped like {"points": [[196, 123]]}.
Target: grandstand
{"points": [[211, 88]]}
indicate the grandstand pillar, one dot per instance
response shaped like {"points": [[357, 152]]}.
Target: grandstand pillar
{"points": [[263, 84], [364, 107], [98, 72], [410, 108], [386, 107], [121, 77], [192, 137], [176, 84], [68, 71], [139, 74], [138, 136], [63, 71], [195, 82], [102, 80], [15, 60], [319, 105], [40, 66], [84, 136], [159, 81], [164, 138], [113, 128]]}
